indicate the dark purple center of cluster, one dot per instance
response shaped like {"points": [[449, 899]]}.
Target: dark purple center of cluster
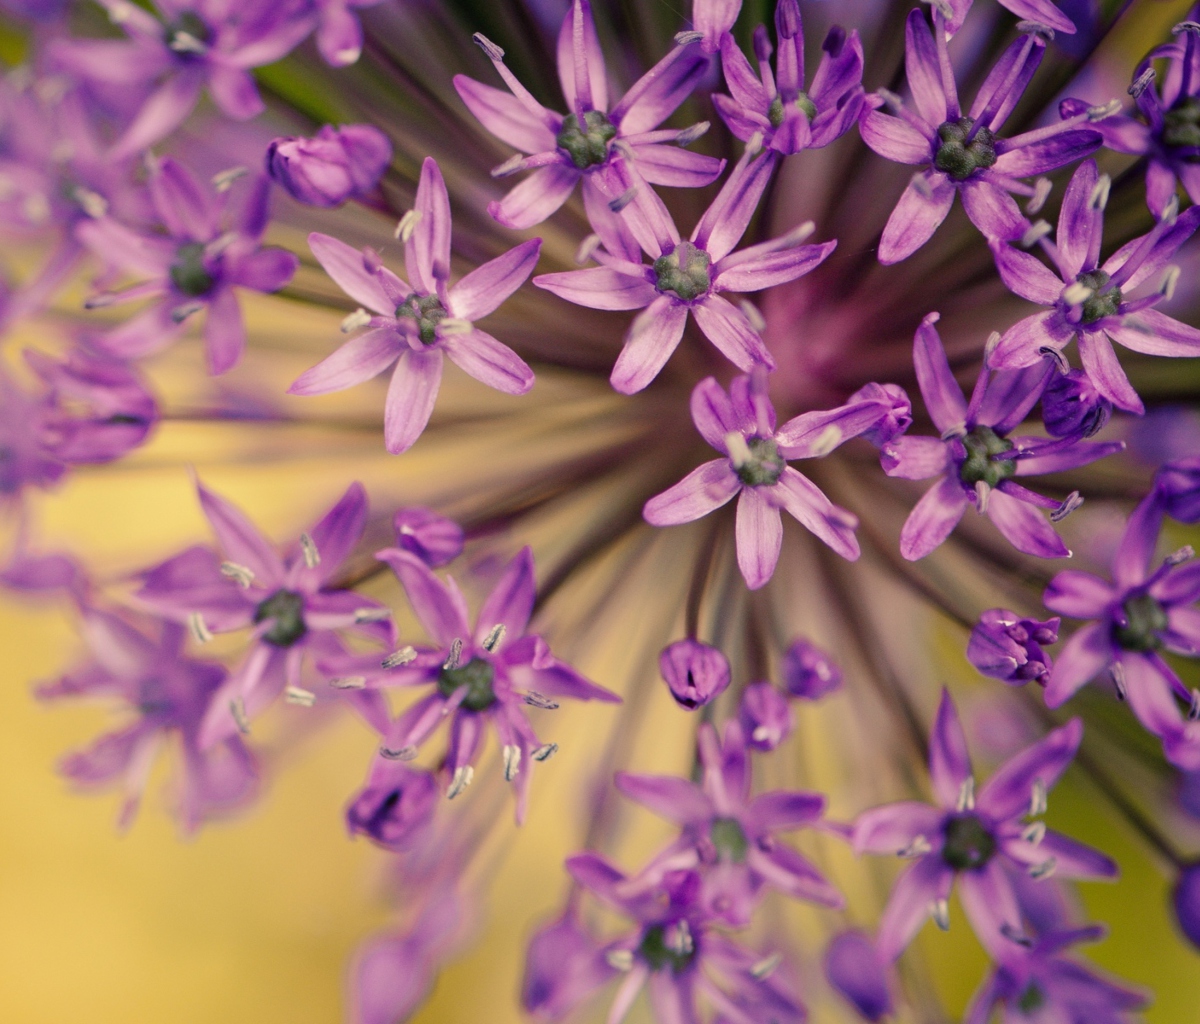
{"points": [[658, 954], [967, 843], [1145, 618], [285, 611]]}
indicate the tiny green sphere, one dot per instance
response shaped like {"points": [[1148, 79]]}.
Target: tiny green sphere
{"points": [[981, 444], [1104, 300], [477, 676], [1032, 999], [960, 158], [684, 271], [426, 311], [765, 465], [586, 144], [775, 113], [188, 272], [1181, 126], [1145, 618], [285, 610]]}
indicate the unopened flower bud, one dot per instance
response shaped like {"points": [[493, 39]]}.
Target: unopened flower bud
{"points": [[395, 805], [1178, 487], [809, 672], [434, 539], [1187, 902], [332, 166], [694, 672], [765, 715], [896, 411], [1005, 646], [1072, 405], [857, 971]]}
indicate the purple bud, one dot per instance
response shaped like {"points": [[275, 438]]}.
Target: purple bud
{"points": [[563, 966], [330, 168], [765, 715], [1071, 405], [855, 968], [695, 672], [892, 423], [1187, 902], [1178, 487], [394, 806], [1005, 646], [809, 672], [434, 539]]}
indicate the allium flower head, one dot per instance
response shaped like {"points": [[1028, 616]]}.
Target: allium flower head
{"points": [[976, 839], [414, 324]]}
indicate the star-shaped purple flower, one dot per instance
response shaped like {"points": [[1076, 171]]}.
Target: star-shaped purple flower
{"points": [[726, 835], [774, 104], [687, 276], [1087, 298], [195, 265], [588, 141], [976, 839], [976, 460], [963, 153], [415, 324]]}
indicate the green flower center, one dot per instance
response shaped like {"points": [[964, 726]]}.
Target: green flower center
{"points": [[658, 954], [426, 311], [764, 465], [777, 110], [586, 144], [285, 610], [1104, 300], [1181, 126], [1144, 620], [729, 839], [1032, 999], [476, 675], [960, 158], [981, 444], [188, 272], [967, 843], [684, 271]]}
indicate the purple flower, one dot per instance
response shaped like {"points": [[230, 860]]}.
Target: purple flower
{"points": [[434, 539], [27, 457], [856, 970], [1186, 899], [896, 418], [339, 32], [481, 676], [728, 836], [414, 324], [809, 672], [187, 47], [695, 673], [331, 167], [1035, 982], [144, 668], [1136, 617], [963, 153], [774, 105], [1005, 646], [975, 839], [395, 805], [687, 275], [765, 716], [194, 266], [285, 601], [586, 142], [678, 956], [741, 425], [1177, 487], [976, 460], [1088, 300], [1072, 407], [563, 966]]}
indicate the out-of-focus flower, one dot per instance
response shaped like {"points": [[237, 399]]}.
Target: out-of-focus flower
{"points": [[1087, 298], [975, 839], [855, 968], [1072, 407], [696, 673], [1005, 646], [765, 716], [809, 672], [195, 265], [563, 966], [394, 806], [414, 325], [434, 539], [331, 167]]}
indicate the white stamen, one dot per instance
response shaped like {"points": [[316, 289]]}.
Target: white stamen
{"points": [[348, 682], [966, 795], [623, 200], [1184, 554], [940, 911], [512, 761], [462, 779], [917, 848], [455, 325], [1015, 935], [798, 234], [1069, 505], [1043, 870], [752, 313], [1170, 278], [223, 180], [241, 573], [942, 6], [493, 639], [890, 98], [538, 700], [1041, 192], [510, 166], [1186, 26], [1037, 799], [755, 145], [237, 708], [36, 208], [92, 203], [1170, 211], [761, 734], [119, 13], [403, 754], [1036, 28], [982, 493], [301, 697], [1106, 110], [407, 225], [625, 149], [1077, 293], [180, 313], [544, 753], [687, 38], [312, 557], [353, 321], [827, 441], [1059, 359], [1098, 200], [198, 629], [362, 615], [487, 46], [678, 939], [185, 42], [739, 450], [588, 246], [1038, 229], [989, 346], [620, 959], [403, 656], [766, 967], [1141, 83], [456, 649], [1117, 671], [690, 135], [1035, 833]]}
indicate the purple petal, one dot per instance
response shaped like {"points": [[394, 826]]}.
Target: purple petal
{"points": [[1104, 371], [677, 800], [990, 904], [358, 360], [894, 138], [185, 207], [1085, 655], [672, 998], [224, 332], [728, 329], [933, 518], [536, 198], [1155, 334], [815, 434], [1021, 344], [410, 398], [489, 361], [239, 540], [704, 489], [427, 251], [725, 221], [1009, 792], [793, 875], [782, 810], [675, 167], [1025, 275], [163, 112], [943, 397], [992, 210], [656, 95], [713, 413], [266, 270], [913, 895], [1150, 693], [587, 65], [949, 762], [1131, 562], [922, 69], [759, 533], [439, 606], [1079, 225], [1072, 859], [511, 601], [807, 503], [234, 93], [743, 272], [1078, 594], [889, 829], [485, 288], [599, 288], [855, 969], [1160, 255], [652, 337], [1024, 526], [349, 271], [1009, 396], [504, 116], [613, 229], [339, 530], [915, 458], [921, 209]]}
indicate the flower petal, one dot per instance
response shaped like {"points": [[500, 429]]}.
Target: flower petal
{"points": [[1155, 334], [728, 329], [427, 251], [489, 361], [599, 288], [1085, 655], [807, 503], [652, 337], [943, 397], [1025, 275], [949, 762], [915, 458], [504, 116], [889, 829], [1078, 594], [933, 518], [894, 138], [675, 799], [756, 273], [1009, 792], [240, 541], [1024, 526], [1104, 371], [704, 489], [759, 533], [349, 271], [990, 904], [536, 198], [921, 209], [410, 398], [511, 601], [922, 70], [438, 605], [485, 288], [911, 902], [713, 413], [360, 359]]}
